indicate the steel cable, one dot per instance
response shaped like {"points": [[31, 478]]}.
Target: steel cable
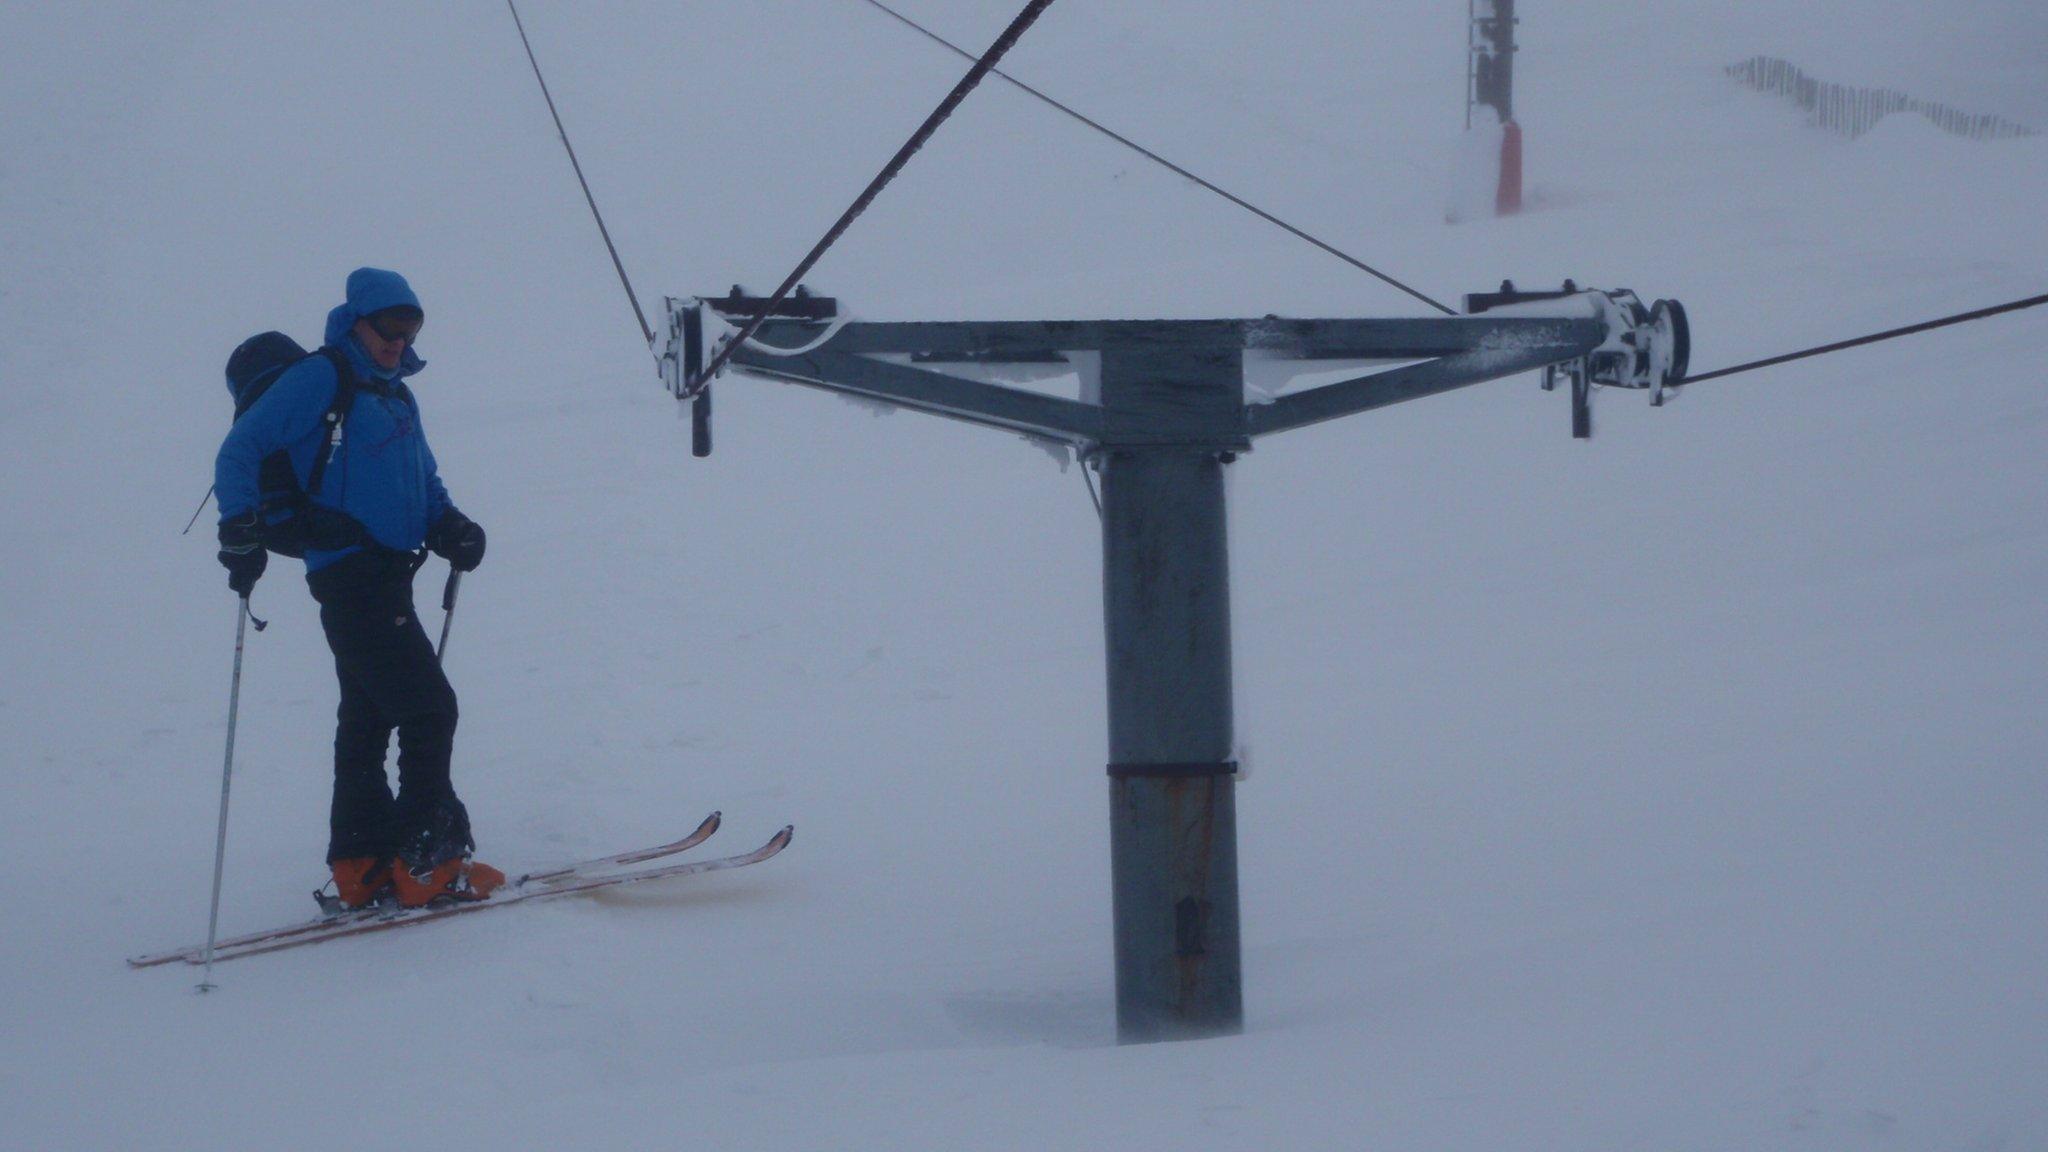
{"points": [[982, 67], [1889, 334], [1169, 165], [645, 329]]}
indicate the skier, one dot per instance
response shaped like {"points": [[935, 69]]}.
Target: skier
{"points": [[381, 507]]}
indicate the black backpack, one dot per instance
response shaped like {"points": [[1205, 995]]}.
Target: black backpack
{"points": [[291, 521]]}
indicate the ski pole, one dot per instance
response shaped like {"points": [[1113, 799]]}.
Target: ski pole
{"points": [[448, 611], [227, 775]]}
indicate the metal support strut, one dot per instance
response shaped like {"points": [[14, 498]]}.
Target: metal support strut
{"points": [[1164, 415]]}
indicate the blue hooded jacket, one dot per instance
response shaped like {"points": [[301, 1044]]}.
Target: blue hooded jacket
{"points": [[384, 474]]}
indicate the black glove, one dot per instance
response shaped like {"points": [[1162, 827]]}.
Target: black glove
{"points": [[241, 551], [457, 539]]}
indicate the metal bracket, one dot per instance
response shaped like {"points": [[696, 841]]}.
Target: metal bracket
{"points": [[681, 361], [683, 355], [1646, 348], [1172, 771], [800, 305]]}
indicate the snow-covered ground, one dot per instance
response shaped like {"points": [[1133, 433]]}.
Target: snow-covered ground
{"points": [[1681, 790]]}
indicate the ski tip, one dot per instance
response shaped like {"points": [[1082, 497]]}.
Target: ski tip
{"points": [[190, 955]]}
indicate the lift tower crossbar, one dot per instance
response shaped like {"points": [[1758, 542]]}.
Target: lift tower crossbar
{"points": [[1162, 412]]}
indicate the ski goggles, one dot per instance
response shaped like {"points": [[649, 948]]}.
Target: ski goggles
{"points": [[396, 328]]}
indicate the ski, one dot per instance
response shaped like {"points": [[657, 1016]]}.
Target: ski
{"points": [[404, 917], [621, 859], [384, 919], [549, 877]]}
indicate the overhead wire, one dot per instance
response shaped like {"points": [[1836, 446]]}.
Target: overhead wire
{"points": [[982, 66], [1873, 338], [1170, 166], [985, 65], [646, 330], [1178, 170]]}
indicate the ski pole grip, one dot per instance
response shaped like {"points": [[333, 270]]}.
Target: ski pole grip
{"points": [[448, 590]]}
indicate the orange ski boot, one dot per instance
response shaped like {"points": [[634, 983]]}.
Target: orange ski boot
{"points": [[481, 879], [360, 880], [459, 878]]}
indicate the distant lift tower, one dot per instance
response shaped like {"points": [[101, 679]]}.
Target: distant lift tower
{"points": [[1490, 83], [1161, 411]]}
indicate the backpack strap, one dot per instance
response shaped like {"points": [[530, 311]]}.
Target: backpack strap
{"points": [[337, 413]]}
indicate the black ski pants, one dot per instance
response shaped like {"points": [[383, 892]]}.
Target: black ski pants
{"points": [[390, 679]]}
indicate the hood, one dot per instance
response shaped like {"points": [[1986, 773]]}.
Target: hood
{"points": [[371, 290]]}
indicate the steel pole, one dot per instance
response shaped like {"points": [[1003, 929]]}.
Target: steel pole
{"points": [[1173, 826]]}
